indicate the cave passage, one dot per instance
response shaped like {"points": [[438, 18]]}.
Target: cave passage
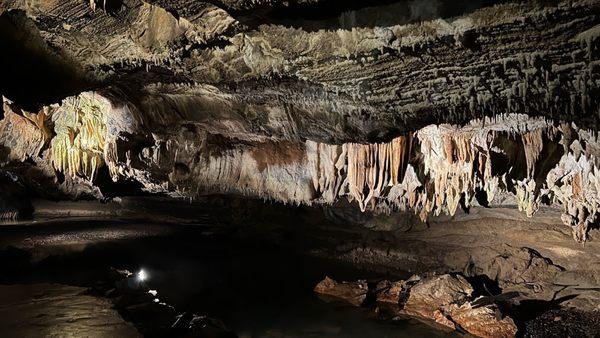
{"points": [[299, 168]]}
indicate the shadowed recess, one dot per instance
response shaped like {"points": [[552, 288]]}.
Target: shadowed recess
{"points": [[33, 73], [342, 14]]}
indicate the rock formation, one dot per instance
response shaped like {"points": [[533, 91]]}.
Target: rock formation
{"points": [[282, 114], [420, 107], [446, 300], [435, 169], [354, 293]]}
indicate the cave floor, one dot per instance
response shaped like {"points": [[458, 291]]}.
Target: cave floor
{"points": [[256, 290]]}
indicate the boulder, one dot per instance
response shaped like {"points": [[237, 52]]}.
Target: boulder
{"points": [[435, 293], [353, 293], [390, 292], [447, 300], [485, 321]]}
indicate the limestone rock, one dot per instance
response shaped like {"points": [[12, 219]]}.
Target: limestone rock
{"points": [[353, 293], [484, 321], [435, 293], [444, 299], [391, 292]]}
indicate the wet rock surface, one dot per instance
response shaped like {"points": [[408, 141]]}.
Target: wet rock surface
{"points": [[354, 293], [447, 300]]}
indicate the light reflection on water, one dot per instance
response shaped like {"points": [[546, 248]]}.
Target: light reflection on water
{"points": [[270, 295], [255, 292]]}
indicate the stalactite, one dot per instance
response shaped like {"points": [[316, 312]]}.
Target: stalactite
{"points": [[448, 167], [80, 126], [326, 164], [449, 162], [532, 143], [373, 167]]}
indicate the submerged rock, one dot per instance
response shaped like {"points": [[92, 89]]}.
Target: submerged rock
{"points": [[354, 293], [201, 326]]}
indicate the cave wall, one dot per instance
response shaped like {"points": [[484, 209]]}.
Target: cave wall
{"points": [[436, 169]]}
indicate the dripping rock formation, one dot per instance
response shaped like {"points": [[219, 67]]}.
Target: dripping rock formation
{"points": [[404, 121]]}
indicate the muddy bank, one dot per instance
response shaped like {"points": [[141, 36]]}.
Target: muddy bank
{"points": [[37, 310]]}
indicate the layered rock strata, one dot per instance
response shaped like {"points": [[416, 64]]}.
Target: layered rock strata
{"points": [[535, 57]]}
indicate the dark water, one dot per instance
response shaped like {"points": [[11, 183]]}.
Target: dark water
{"points": [[256, 291]]}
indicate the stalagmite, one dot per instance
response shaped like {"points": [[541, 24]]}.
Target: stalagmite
{"points": [[575, 183]]}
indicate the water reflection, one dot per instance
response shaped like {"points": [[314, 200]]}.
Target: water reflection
{"points": [[254, 291]]}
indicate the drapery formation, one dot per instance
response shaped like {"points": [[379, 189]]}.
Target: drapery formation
{"points": [[373, 168], [529, 159], [80, 126], [434, 170]]}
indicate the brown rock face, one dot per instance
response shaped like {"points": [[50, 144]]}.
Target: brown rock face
{"points": [[435, 293], [391, 292], [485, 321], [354, 293], [447, 300]]}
